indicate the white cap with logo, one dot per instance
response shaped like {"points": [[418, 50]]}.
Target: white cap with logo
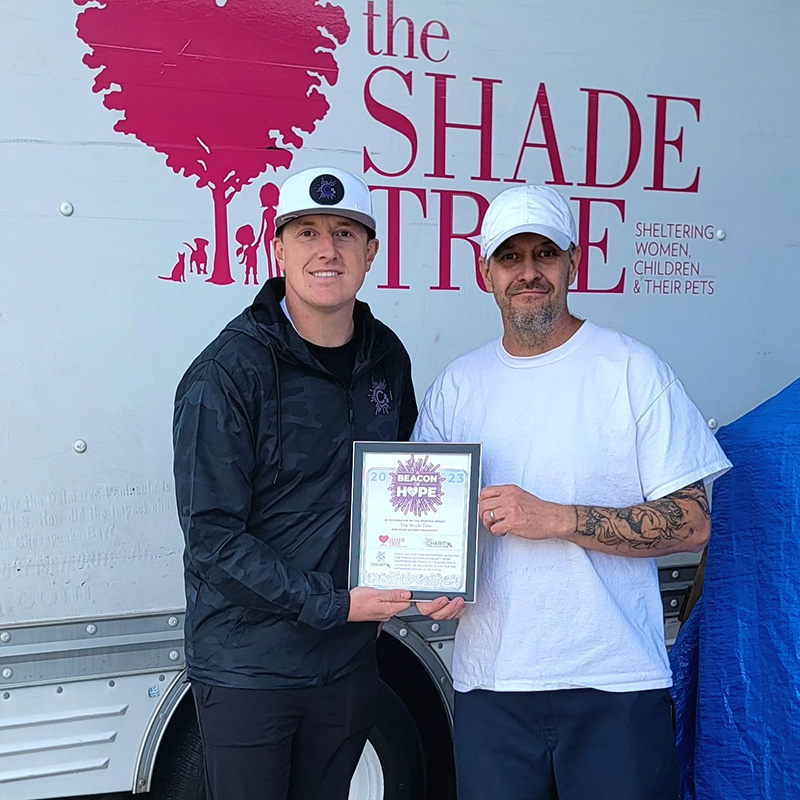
{"points": [[527, 209], [324, 190]]}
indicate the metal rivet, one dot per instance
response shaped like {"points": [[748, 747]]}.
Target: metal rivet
{"points": [[712, 423], [174, 655], [403, 632], [79, 446], [8, 673], [675, 574], [6, 695], [142, 783], [91, 629], [5, 636], [172, 622], [112, 684], [161, 677], [720, 234], [66, 208], [435, 627], [60, 690], [673, 603]]}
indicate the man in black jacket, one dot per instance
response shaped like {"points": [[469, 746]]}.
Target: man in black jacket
{"points": [[281, 655]]}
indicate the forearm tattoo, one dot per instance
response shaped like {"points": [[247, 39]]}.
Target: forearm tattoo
{"points": [[646, 526]]}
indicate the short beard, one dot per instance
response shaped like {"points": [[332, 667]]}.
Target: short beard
{"points": [[532, 327]]}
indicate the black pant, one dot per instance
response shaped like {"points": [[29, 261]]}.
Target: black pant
{"points": [[575, 744], [302, 744]]}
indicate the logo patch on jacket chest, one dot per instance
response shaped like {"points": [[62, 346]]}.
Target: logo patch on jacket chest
{"points": [[381, 397]]}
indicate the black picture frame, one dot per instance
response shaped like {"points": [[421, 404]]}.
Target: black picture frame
{"points": [[418, 450]]}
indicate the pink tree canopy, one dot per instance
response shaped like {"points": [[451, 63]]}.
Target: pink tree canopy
{"points": [[220, 87]]}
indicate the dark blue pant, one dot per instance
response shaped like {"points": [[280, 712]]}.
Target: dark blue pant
{"points": [[575, 744]]}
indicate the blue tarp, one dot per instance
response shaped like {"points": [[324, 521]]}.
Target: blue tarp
{"points": [[737, 659]]}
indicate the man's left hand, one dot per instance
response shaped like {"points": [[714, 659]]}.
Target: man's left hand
{"points": [[510, 509]]}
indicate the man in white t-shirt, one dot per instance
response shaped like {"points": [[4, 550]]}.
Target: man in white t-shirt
{"points": [[594, 462]]}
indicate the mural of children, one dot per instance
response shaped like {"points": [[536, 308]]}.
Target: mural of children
{"points": [[269, 199], [247, 253]]}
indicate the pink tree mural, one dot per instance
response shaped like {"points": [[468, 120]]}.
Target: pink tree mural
{"points": [[223, 88]]}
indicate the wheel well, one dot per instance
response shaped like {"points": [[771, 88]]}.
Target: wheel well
{"points": [[402, 670], [183, 717]]}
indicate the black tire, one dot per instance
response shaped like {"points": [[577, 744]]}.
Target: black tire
{"points": [[399, 747], [178, 773]]}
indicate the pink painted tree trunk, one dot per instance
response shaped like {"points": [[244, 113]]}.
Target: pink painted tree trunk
{"points": [[221, 271]]}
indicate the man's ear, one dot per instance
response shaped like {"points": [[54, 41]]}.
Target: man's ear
{"points": [[373, 245], [574, 263], [483, 264], [277, 247]]}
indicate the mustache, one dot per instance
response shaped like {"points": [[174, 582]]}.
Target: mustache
{"points": [[534, 286]]}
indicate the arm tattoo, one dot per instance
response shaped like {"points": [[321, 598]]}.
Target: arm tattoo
{"points": [[646, 526]]}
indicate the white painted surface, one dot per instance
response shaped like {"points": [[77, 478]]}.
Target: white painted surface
{"points": [[92, 344]]}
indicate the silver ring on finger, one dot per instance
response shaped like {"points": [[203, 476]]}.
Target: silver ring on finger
{"points": [[491, 515]]}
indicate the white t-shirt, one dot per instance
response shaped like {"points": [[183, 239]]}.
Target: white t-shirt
{"points": [[600, 421]]}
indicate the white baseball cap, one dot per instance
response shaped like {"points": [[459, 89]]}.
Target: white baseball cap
{"points": [[324, 190], [527, 209]]}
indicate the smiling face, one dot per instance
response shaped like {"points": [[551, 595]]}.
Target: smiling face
{"points": [[325, 259], [530, 278]]}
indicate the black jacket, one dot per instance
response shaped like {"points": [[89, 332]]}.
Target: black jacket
{"points": [[263, 438]]}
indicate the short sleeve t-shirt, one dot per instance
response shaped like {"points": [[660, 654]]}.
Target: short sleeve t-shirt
{"points": [[339, 361], [601, 421]]}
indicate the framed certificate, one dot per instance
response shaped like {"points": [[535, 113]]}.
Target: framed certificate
{"points": [[414, 522]]}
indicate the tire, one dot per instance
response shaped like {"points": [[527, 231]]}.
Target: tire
{"points": [[178, 773], [392, 766]]}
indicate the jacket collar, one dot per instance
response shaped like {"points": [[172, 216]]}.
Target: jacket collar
{"points": [[265, 321]]}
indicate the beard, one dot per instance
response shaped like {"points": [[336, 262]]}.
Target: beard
{"points": [[531, 325]]}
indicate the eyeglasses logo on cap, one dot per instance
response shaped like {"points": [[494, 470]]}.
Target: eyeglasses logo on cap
{"points": [[326, 190]]}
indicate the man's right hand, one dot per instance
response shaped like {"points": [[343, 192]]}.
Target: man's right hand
{"points": [[442, 608], [376, 605]]}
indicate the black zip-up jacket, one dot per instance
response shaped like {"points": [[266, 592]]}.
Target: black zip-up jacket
{"points": [[263, 438]]}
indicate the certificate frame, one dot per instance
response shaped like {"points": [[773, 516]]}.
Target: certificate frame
{"points": [[462, 544]]}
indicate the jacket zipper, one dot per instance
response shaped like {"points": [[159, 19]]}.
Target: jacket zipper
{"points": [[357, 373]]}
